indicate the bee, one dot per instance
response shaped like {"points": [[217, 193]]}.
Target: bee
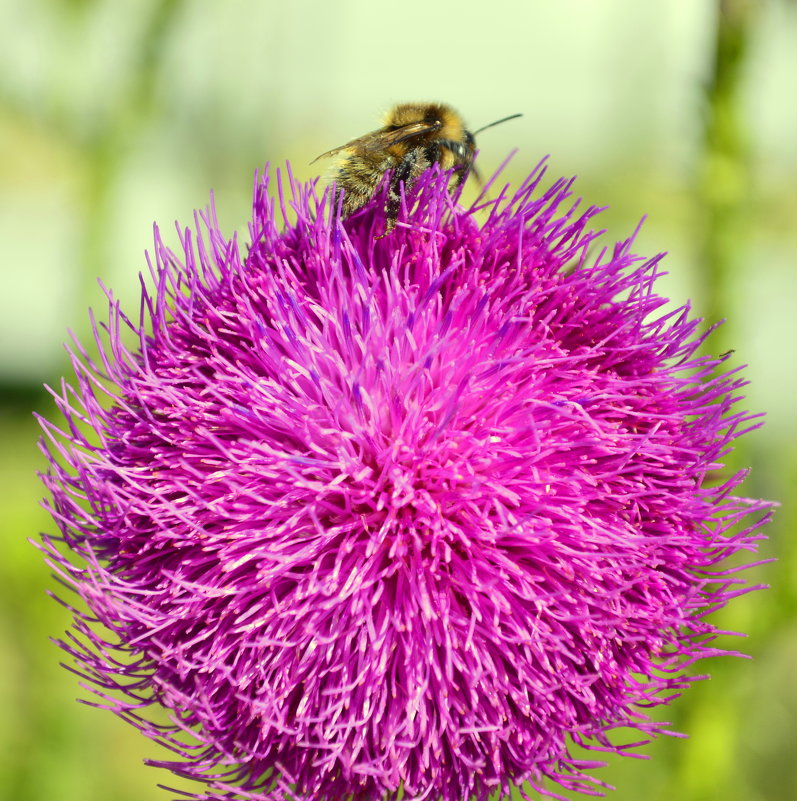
{"points": [[414, 137]]}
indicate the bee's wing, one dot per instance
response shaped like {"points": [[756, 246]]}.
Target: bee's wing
{"points": [[382, 138], [355, 144]]}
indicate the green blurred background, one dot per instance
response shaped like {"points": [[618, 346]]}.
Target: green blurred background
{"points": [[117, 113]]}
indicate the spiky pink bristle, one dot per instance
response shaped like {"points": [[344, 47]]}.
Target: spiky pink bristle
{"points": [[409, 514]]}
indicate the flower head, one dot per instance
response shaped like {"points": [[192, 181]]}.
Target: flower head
{"points": [[416, 512]]}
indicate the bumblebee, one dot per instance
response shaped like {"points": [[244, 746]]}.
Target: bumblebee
{"points": [[414, 137]]}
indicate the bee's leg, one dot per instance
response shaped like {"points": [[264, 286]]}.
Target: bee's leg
{"points": [[405, 175], [461, 172], [432, 153]]}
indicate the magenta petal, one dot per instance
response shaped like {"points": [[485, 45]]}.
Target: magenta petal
{"points": [[414, 512]]}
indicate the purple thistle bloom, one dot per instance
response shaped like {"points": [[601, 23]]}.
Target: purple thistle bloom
{"points": [[419, 512]]}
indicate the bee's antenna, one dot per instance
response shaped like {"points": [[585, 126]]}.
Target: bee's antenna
{"points": [[497, 122]]}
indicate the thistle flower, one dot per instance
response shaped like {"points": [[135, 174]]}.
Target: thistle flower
{"points": [[410, 514]]}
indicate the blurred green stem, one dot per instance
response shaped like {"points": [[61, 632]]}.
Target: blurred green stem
{"points": [[707, 770], [724, 172]]}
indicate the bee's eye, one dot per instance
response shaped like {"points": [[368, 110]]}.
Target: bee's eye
{"points": [[459, 149]]}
